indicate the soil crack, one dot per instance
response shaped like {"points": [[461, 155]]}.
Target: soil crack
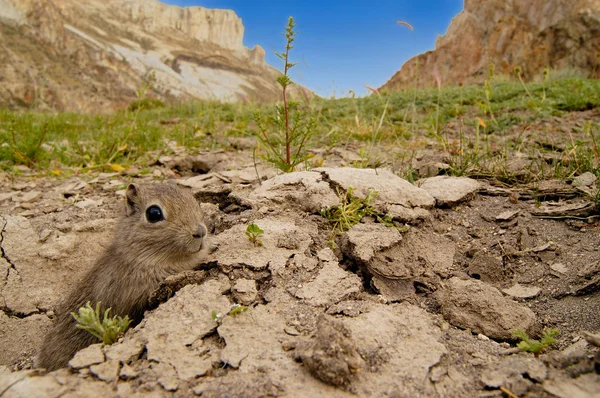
{"points": [[5, 309], [21, 315], [335, 187], [3, 253]]}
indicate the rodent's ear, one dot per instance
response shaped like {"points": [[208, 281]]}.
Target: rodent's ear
{"points": [[133, 199]]}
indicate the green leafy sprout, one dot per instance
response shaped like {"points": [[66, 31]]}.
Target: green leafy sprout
{"points": [[108, 330], [253, 232], [534, 346], [236, 309]]}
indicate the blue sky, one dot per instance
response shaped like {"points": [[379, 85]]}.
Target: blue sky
{"points": [[341, 44]]}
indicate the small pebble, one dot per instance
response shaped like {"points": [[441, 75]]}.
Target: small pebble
{"points": [[31, 196]]}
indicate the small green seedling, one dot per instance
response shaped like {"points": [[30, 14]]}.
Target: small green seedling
{"points": [[253, 232], [352, 209], [534, 346], [236, 309], [108, 330], [216, 316]]}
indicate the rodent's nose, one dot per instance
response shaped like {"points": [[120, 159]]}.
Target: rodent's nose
{"points": [[200, 232]]}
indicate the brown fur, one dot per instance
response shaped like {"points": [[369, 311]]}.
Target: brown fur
{"points": [[141, 255]]}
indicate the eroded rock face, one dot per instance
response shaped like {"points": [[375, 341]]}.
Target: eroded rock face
{"points": [[221, 27], [100, 52], [530, 34]]}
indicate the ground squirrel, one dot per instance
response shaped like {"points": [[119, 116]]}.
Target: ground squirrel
{"points": [[160, 234]]}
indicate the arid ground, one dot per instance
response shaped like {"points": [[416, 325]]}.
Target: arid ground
{"points": [[465, 227]]}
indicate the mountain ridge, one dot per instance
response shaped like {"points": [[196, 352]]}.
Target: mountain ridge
{"points": [[64, 55], [532, 35]]}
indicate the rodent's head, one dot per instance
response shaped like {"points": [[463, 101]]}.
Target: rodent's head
{"points": [[162, 220]]}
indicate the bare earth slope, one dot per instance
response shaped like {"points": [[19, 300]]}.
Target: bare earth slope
{"points": [[531, 34], [93, 55]]}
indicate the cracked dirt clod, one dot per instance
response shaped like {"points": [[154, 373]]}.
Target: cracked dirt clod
{"points": [[474, 305], [30, 196], [396, 260], [306, 189], [88, 356], [4, 271], [520, 291], [393, 290], [362, 241], [246, 350], [449, 191], [392, 190], [171, 330], [282, 238], [243, 385], [127, 372], [14, 342], [585, 180], [584, 386], [107, 371], [389, 337], [331, 285], [27, 383], [517, 373], [578, 209], [418, 253], [25, 292], [245, 291], [331, 355], [174, 283], [124, 353]]}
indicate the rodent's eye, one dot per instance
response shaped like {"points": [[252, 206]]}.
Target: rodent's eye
{"points": [[154, 214]]}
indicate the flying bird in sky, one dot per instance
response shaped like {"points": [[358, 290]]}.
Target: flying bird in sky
{"points": [[409, 26]]}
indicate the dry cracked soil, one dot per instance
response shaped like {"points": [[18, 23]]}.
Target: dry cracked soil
{"points": [[423, 311]]}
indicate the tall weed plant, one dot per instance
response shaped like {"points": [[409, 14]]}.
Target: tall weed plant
{"points": [[284, 136]]}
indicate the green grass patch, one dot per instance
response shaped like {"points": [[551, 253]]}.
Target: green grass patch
{"points": [[479, 129]]}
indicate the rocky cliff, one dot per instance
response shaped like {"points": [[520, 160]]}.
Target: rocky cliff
{"points": [[93, 55], [531, 34]]}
